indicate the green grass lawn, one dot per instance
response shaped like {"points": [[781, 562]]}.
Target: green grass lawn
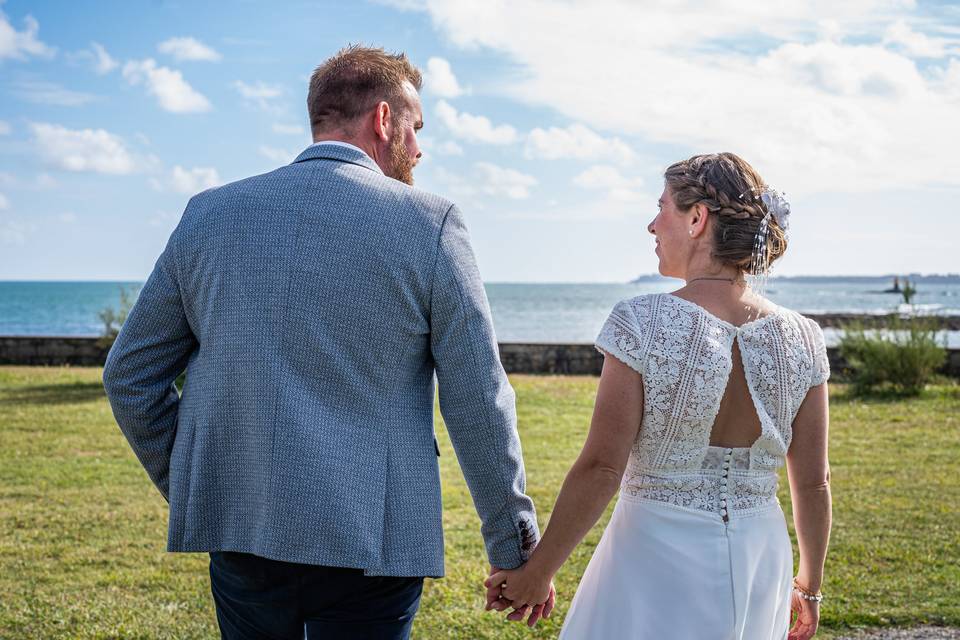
{"points": [[82, 530]]}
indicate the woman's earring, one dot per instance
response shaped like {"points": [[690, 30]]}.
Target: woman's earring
{"points": [[691, 232]]}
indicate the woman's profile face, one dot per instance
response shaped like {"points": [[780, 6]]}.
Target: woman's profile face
{"points": [[670, 228]]}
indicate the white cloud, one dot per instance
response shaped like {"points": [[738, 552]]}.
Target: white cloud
{"points": [[4, 128], [21, 44], [484, 179], [4, 202], [832, 69], [45, 181], [609, 179], [191, 181], [103, 62], [187, 48], [49, 93], [260, 94], [439, 79], [93, 150], [474, 128], [499, 181], [446, 148], [449, 148], [288, 129], [454, 185], [949, 80], [169, 87], [97, 57], [915, 43], [67, 217], [577, 142], [277, 155], [811, 106], [42, 182]]}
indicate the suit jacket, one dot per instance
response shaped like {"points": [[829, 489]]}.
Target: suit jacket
{"points": [[312, 307]]}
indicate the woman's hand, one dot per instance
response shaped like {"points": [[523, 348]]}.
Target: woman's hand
{"points": [[808, 617], [524, 587]]}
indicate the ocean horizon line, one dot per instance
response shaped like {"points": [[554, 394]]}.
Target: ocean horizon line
{"points": [[650, 277]]}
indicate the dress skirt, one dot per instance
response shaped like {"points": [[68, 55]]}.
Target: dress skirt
{"points": [[664, 572]]}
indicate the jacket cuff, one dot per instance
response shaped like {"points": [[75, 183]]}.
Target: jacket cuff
{"points": [[514, 550]]}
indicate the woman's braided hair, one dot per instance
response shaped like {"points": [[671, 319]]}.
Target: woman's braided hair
{"points": [[730, 188]]}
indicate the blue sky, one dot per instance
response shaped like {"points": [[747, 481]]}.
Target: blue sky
{"points": [[549, 123]]}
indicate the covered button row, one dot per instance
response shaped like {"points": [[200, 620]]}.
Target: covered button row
{"points": [[726, 482]]}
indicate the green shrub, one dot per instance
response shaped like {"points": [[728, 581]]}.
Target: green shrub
{"points": [[113, 319], [903, 357]]}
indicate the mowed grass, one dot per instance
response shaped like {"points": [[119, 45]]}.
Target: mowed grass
{"points": [[82, 530]]}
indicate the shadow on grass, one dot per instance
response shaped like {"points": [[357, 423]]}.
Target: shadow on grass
{"points": [[54, 394], [943, 389]]}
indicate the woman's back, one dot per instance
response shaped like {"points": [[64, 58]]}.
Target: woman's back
{"points": [[737, 424], [719, 399]]}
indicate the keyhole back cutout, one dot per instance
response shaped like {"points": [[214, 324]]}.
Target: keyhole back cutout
{"points": [[737, 423]]}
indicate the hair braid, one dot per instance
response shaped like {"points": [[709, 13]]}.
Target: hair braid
{"points": [[728, 186]]}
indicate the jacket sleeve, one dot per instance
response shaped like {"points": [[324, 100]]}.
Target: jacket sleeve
{"points": [[477, 401], [151, 350]]}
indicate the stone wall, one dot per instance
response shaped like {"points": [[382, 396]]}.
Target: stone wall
{"points": [[546, 358], [837, 320], [46, 350], [584, 359], [561, 359]]}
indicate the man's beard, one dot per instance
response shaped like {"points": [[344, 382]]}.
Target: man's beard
{"points": [[401, 166]]}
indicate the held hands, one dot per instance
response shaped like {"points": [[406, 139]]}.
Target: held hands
{"points": [[523, 590]]}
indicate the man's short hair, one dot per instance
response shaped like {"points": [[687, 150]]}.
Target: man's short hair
{"points": [[354, 81]]}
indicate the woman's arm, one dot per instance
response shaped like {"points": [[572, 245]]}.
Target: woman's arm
{"points": [[809, 473], [592, 480]]}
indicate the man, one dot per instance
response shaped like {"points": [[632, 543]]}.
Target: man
{"points": [[310, 307]]}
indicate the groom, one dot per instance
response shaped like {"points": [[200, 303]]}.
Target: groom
{"points": [[310, 308]]}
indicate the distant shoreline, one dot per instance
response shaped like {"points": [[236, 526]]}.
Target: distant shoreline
{"points": [[931, 278]]}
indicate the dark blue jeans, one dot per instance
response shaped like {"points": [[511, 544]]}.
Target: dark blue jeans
{"points": [[261, 598]]}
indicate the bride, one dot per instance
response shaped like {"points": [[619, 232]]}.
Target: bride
{"points": [[705, 392]]}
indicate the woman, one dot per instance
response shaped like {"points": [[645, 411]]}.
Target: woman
{"points": [[704, 393]]}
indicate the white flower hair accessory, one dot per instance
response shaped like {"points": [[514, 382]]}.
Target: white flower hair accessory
{"points": [[779, 209], [777, 206]]}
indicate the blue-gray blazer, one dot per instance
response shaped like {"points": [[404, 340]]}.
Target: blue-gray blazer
{"points": [[310, 308]]}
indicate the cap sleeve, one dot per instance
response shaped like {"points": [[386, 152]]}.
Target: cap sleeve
{"points": [[623, 337], [821, 362]]}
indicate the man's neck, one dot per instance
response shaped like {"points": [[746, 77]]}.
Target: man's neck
{"points": [[369, 151], [342, 143]]}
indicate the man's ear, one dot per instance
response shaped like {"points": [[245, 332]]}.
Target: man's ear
{"points": [[381, 121]]}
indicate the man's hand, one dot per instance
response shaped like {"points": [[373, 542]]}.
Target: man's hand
{"points": [[497, 600]]}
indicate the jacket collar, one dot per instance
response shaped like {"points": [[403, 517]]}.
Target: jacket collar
{"points": [[339, 153]]}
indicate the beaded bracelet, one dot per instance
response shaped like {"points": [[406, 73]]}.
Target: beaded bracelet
{"points": [[806, 594]]}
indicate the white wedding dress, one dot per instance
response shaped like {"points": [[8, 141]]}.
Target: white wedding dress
{"points": [[697, 547]]}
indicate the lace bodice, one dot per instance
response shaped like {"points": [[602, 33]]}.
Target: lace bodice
{"points": [[685, 356]]}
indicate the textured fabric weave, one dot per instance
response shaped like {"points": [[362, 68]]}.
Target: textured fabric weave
{"points": [[311, 308], [684, 354]]}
